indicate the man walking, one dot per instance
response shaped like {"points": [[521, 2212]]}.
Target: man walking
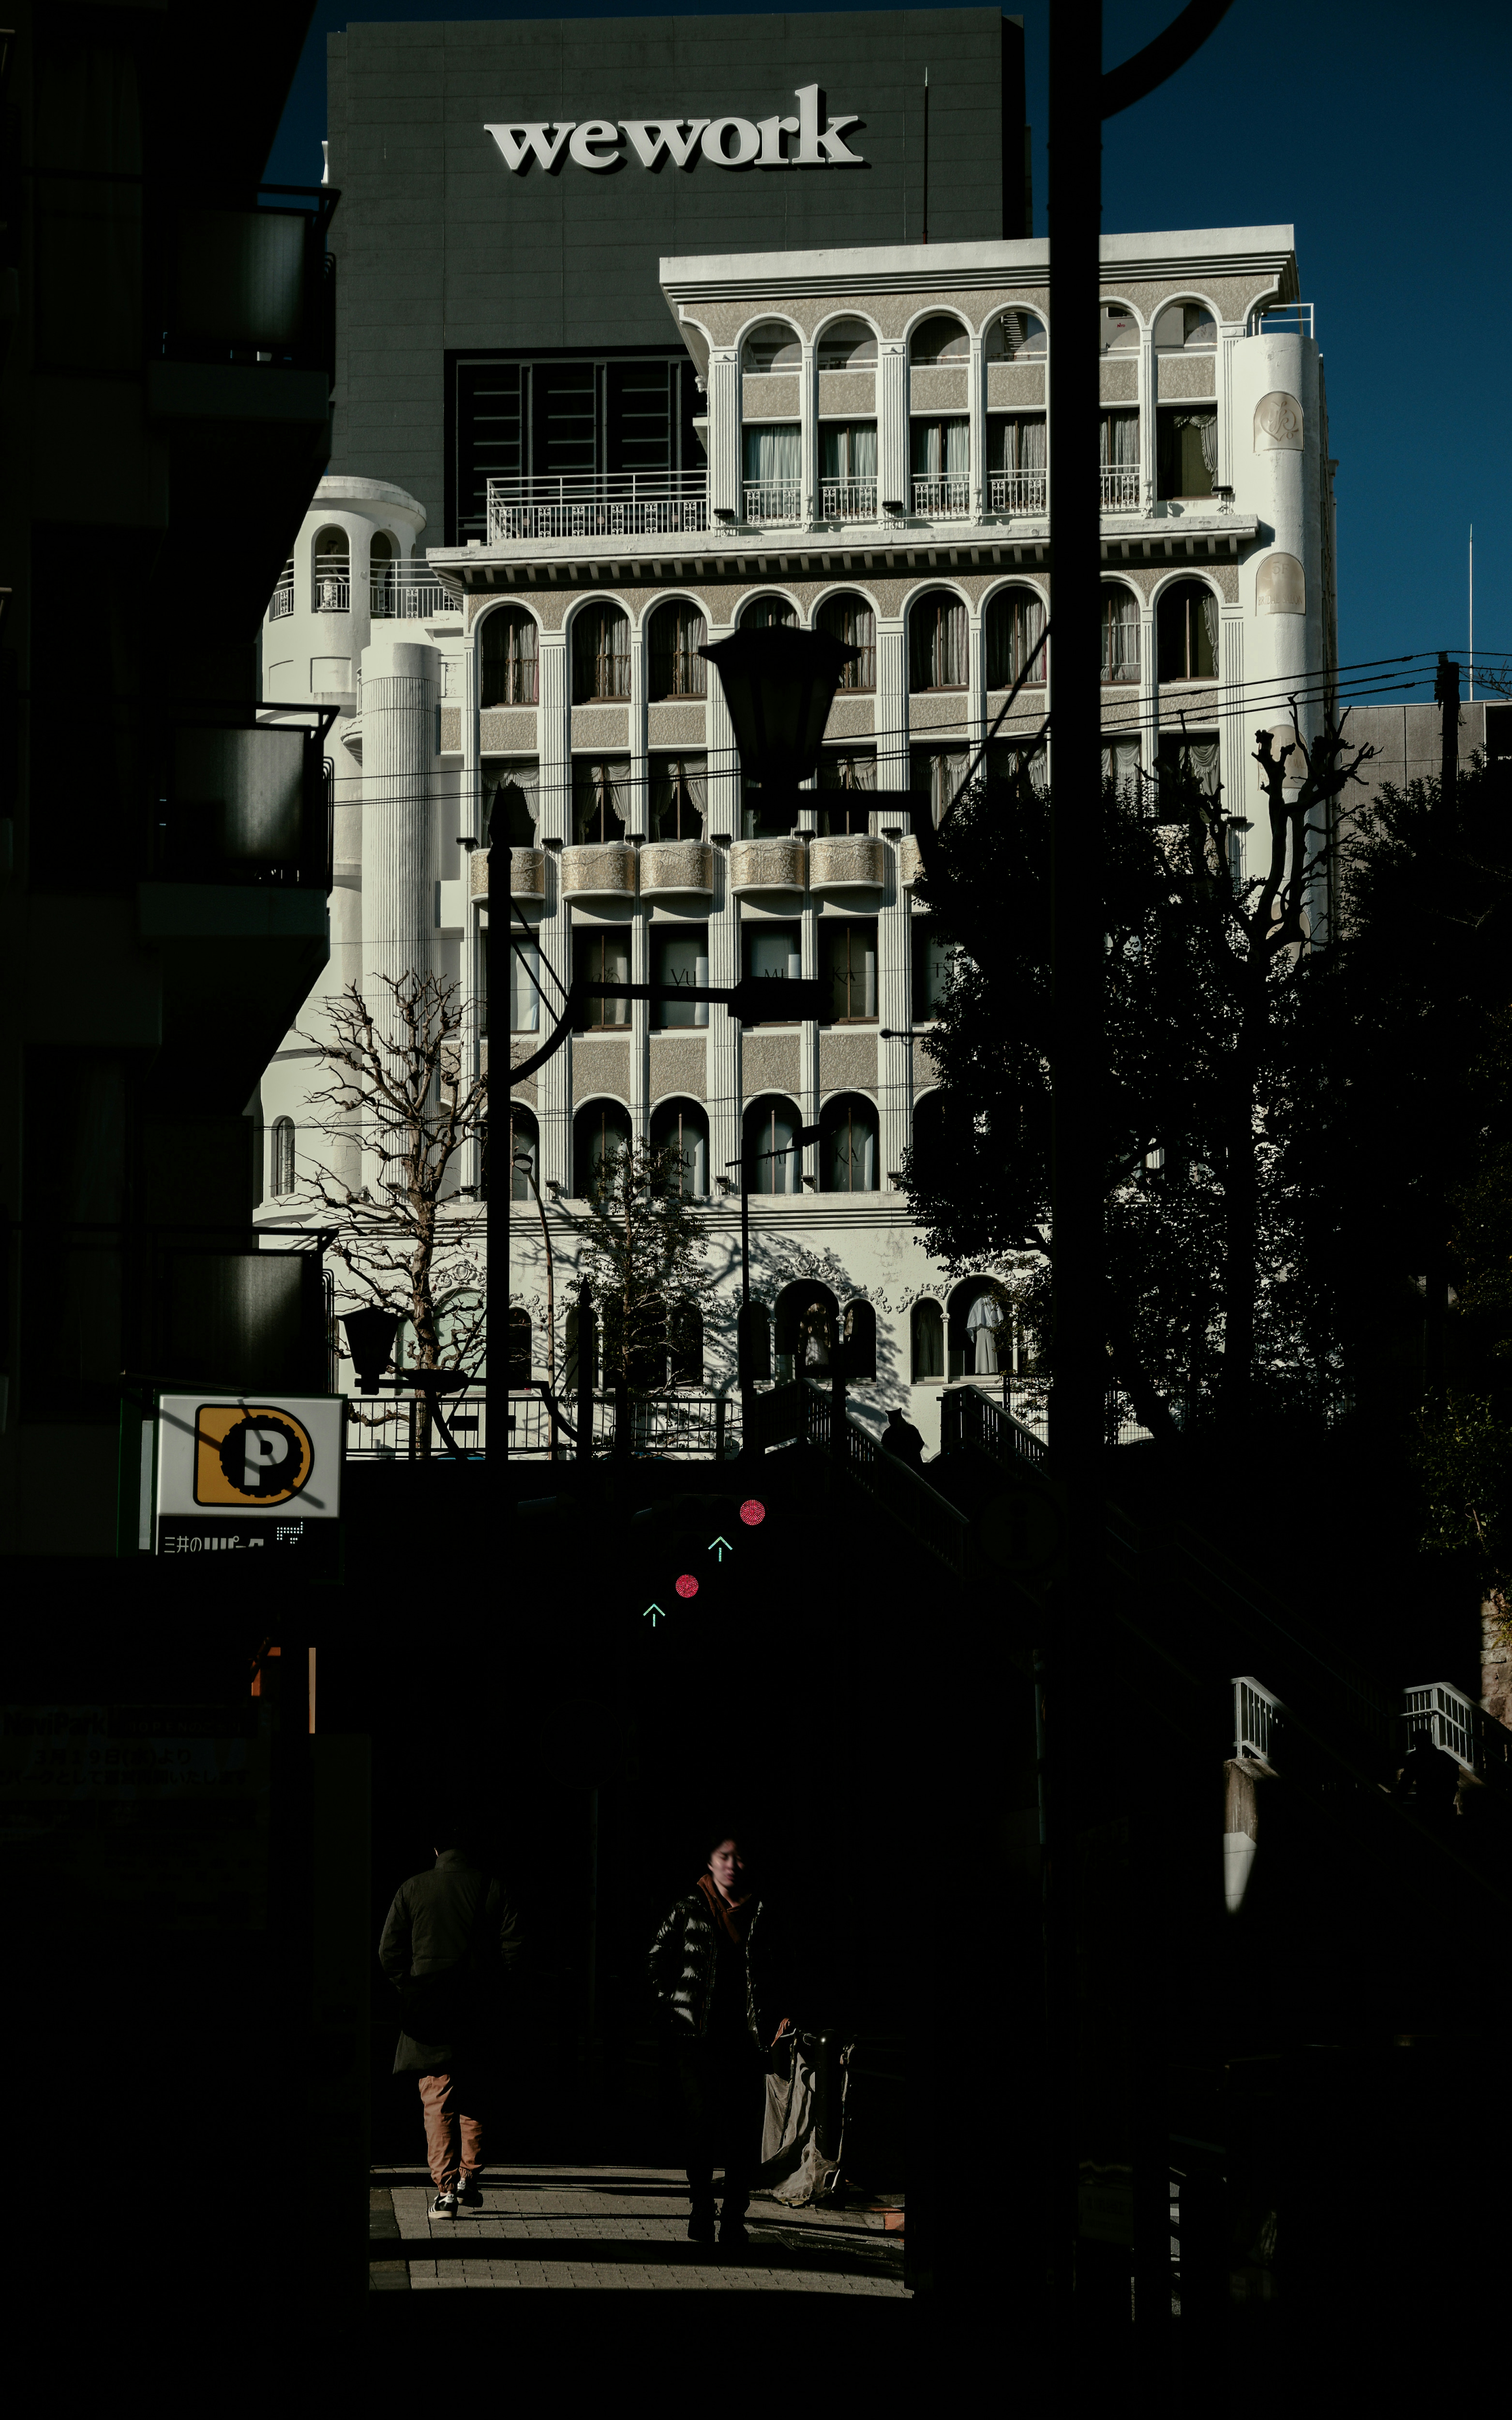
{"points": [[711, 1970], [448, 1935]]}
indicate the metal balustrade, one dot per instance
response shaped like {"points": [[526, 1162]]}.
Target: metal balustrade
{"points": [[410, 592], [1259, 1718], [331, 592], [392, 1428], [1461, 1727], [280, 603], [603, 504], [1121, 488], [774, 500], [942, 499], [1018, 492], [848, 499], [681, 1427]]}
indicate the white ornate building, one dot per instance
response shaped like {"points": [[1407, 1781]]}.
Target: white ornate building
{"points": [[874, 430]]}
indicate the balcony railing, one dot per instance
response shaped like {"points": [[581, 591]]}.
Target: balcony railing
{"points": [[774, 500], [392, 1429], [694, 1426], [1121, 488], [600, 504], [848, 499], [331, 592], [1121, 662], [943, 499], [1018, 492], [280, 603], [410, 592], [1461, 1727]]}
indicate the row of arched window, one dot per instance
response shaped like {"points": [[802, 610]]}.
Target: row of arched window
{"points": [[968, 1335], [849, 1149], [942, 341]]}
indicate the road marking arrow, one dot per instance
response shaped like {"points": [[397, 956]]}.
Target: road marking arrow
{"points": [[716, 1543], [653, 1610]]}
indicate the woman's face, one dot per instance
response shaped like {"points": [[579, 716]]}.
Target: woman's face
{"points": [[728, 1867]]}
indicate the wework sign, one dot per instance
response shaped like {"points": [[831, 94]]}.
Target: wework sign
{"points": [[724, 142]]}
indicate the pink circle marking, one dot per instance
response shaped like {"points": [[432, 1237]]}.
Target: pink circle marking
{"points": [[687, 1585], [752, 1510]]}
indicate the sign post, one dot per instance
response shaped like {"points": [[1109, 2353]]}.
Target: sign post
{"points": [[244, 1474]]}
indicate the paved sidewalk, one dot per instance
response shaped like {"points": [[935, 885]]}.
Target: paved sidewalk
{"points": [[619, 2227]]}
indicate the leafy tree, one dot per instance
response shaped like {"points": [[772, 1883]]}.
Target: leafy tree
{"points": [[1212, 1309]]}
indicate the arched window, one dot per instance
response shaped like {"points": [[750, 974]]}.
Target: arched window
{"points": [[330, 563], [679, 799], [939, 343], [524, 1152], [1118, 328], [601, 790], [937, 649], [1014, 622], [848, 1145], [979, 1332], [600, 655], [768, 613], [601, 1138], [808, 1318], [1188, 327], [677, 631], [383, 575], [848, 345], [774, 1157], [926, 1333], [770, 346], [283, 1155], [852, 621], [510, 671], [860, 1333], [684, 1340], [681, 1129], [1120, 635], [928, 1121], [1016, 337], [522, 1347], [1186, 633]]}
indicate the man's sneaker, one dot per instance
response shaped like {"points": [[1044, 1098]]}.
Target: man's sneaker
{"points": [[701, 2226], [444, 2205], [468, 2193]]}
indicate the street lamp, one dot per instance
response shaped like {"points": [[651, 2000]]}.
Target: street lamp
{"points": [[779, 684]]}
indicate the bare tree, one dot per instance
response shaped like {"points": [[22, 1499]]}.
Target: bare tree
{"points": [[642, 1246], [398, 1074]]}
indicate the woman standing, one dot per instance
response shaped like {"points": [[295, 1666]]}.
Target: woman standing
{"points": [[713, 1972]]}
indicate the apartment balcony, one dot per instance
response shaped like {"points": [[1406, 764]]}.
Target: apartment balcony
{"points": [[1018, 492], [773, 500], [947, 498], [601, 503], [848, 499], [677, 869], [410, 592], [910, 861], [1121, 488], [849, 862], [280, 603], [604, 871], [766, 865]]}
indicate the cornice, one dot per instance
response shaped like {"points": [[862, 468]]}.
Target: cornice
{"points": [[962, 268]]}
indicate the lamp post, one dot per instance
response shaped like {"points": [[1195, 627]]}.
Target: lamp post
{"points": [[779, 684]]}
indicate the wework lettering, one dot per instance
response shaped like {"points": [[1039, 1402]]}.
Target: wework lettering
{"points": [[723, 142]]}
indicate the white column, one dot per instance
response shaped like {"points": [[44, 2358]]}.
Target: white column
{"points": [[893, 482], [977, 407], [553, 1085], [1233, 736], [473, 806], [724, 434], [724, 1053], [976, 689], [892, 706], [808, 1038], [809, 432], [724, 764], [401, 714], [895, 1059], [1230, 333], [553, 724], [1149, 397]]}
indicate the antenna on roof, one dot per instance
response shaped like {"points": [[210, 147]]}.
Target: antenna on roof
{"points": [[926, 155]]}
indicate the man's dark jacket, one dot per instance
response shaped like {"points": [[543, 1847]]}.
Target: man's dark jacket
{"points": [[450, 1937]]}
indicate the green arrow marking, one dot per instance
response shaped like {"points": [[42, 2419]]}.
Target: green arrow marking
{"points": [[653, 1610], [715, 1544]]}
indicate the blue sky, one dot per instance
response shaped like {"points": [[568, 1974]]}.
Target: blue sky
{"points": [[1380, 135]]}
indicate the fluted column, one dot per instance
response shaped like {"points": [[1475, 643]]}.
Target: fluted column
{"points": [[401, 692], [553, 1085], [724, 434], [895, 1059], [473, 941], [977, 407], [893, 482], [555, 737], [724, 1075]]}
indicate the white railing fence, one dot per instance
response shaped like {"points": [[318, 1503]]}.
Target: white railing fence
{"points": [[774, 500], [280, 603], [600, 504], [1258, 1717], [1121, 488], [332, 592], [1018, 492], [1461, 1727], [848, 499], [943, 499], [410, 592]]}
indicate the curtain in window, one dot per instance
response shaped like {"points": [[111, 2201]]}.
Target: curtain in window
{"points": [[524, 979], [984, 1321], [775, 1166], [1017, 445], [847, 769], [1206, 426], [679, 794], [604, 958], [514, 807], [601, 653], [1009, 760], [1014, 623], [509, 661], [1118, 441], [1120, 634], [853, 1149], [773, 454], [848, 449], [941, 448], [677, 669], [855, 625], [937, 638], [769, 613], [941, 772], [1120, 761], [928, 1342], [850, 956], [1209, 624], [600, 792]]}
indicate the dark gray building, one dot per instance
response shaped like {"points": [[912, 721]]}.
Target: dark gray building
{"points": [[508, 191]]}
